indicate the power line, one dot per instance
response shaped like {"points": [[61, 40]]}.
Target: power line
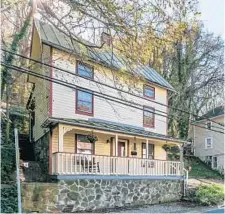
{"points": [[117, 89], [98, 94]]}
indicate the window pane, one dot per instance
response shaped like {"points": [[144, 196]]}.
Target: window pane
{"points": [[149, 91], [83, 145], [150, 149], [149, 116], [84, 70], [84, 101], [84, 96]]}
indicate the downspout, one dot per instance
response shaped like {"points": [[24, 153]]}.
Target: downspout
{"points": [[194, 142]]}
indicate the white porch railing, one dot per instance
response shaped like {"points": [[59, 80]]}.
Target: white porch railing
{"points": [[69, 163]]}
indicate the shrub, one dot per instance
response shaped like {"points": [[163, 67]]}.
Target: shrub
{"points": [[211, 194], [9, 200]]}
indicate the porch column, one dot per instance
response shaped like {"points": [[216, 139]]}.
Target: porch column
{"points": [[181, 159], [116, 146], [60, 138], [147, 148]]}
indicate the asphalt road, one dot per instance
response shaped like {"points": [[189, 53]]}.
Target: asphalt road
{"points": [[216, 211], [175, 207]]}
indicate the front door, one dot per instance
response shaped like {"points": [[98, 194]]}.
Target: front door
{"points": [[121, 149]]}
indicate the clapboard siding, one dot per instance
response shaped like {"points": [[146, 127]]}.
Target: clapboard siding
{"points": [[102, 147], [64, 97]]}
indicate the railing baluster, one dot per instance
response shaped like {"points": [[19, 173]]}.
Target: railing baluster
{"points": [[67, 163]]}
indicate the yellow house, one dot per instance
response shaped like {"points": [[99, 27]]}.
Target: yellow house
{"points": [[94, 116]]}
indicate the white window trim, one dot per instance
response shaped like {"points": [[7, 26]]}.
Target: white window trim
{"points": [[206, 142]]}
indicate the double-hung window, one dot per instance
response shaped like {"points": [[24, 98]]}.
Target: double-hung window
{"points": [[84, 102], [149, 117], [83, 146], [208, 142], [148, 154], [149, 92], [85, 70]]}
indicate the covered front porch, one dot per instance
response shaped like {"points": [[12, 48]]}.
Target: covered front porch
{"points": [[113, 153]]}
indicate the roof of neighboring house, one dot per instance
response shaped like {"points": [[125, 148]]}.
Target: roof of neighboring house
{"points": [[52, 36], [109, 126], [213, 113]]}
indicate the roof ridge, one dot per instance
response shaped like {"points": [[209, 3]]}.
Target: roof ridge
{"points": [[57, 39]]}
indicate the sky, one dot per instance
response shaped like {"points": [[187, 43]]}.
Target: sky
{"points": [[213, 15]]}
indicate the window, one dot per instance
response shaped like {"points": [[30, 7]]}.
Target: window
{"points": [[85, 70], [84, 103], [214, 162], [208, 160], [208, 142], [83, 145], [209, 125], [150, 154], [149, 92], [149, 117]]}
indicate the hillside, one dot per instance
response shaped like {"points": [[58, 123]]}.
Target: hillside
{"points": [[200, 170]]}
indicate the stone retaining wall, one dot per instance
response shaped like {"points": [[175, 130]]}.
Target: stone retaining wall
{"points": [[88, 195]]}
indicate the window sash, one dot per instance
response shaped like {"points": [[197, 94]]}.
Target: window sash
{"points": [[83, 145], [84, 101], [149, 117], [84, 70], [150, 154], [149, 91], [208, 143]]}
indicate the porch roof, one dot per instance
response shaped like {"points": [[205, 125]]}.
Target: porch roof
{"points": [[111, 127]]}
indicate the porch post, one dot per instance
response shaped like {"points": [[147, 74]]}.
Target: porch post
{"points": [[116, 152], [147, 148], [60, 138], [181, 159]]}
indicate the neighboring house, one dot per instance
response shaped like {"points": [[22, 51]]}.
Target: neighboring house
{"points": [[208, 142], [64, 119]]}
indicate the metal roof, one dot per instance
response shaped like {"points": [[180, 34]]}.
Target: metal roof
{"points": [[112, 127], [52, 36], [215, 112]]}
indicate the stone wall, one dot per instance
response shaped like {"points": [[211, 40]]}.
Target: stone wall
{"points": [[88, 195]]}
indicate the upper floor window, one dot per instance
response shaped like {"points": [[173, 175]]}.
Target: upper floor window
{"points": [[149, 92], [84, 103], [208, 143], [85, 70], [149, 117], [209, 125]]}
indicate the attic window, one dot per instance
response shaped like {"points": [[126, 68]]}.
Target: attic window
{"points": [[209, 125], [149, 92], [85, 70]]}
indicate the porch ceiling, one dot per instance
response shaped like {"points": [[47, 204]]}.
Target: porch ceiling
{"points": [[123, 129]]}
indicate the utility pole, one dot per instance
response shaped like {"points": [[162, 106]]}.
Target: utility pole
{"points": [[18, 170]]}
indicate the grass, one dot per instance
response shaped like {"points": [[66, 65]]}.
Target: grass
{"points": [[200, 170]]}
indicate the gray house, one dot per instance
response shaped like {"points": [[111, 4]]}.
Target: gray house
{"points": [[208, 138]]}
